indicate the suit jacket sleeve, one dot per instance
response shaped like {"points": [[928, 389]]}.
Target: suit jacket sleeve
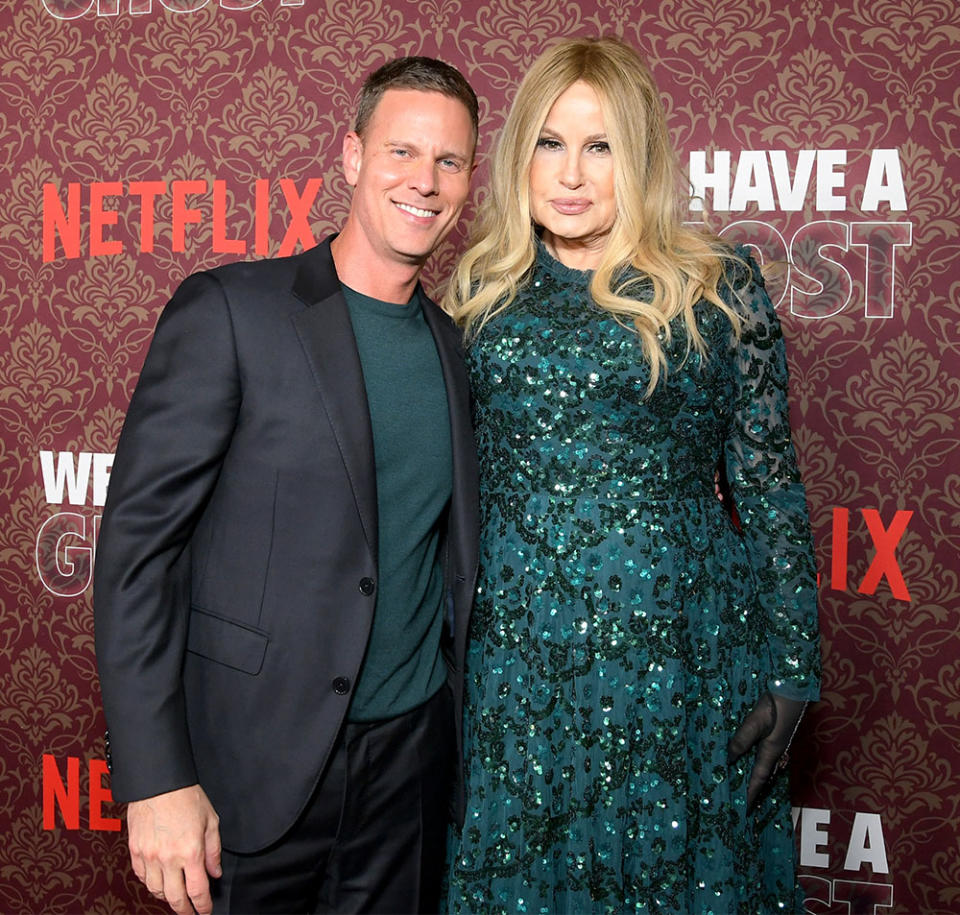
{"points": [[176, 433]]}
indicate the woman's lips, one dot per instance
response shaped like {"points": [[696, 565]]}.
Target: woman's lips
{"points": [[570, 206]]}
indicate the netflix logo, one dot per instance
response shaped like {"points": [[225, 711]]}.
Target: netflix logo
{"points": [[885, 537], [97, 207], [65, 795]]}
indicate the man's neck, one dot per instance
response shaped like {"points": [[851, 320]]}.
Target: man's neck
{"points": [[359, 268]]}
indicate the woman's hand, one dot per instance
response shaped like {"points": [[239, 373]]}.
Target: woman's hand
{"points": [[770, 727]]}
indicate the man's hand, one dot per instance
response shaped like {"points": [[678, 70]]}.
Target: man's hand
{"points": [[174, 841]]}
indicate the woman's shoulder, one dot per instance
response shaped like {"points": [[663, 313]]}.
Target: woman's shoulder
{"points": [[742, 284], [738, 267]]}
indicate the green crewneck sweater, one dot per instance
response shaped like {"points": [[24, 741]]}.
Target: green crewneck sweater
{"points": [[407, 399]]}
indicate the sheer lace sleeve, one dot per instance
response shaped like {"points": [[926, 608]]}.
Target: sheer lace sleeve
{"points": [[768, 494]]}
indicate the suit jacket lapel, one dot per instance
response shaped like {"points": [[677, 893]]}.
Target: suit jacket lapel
{"points": [[326, 336]]}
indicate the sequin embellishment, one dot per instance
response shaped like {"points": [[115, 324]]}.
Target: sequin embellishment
{"points": [[623, 627]]}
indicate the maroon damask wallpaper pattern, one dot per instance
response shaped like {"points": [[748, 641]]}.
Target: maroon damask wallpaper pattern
{"points": [[143, 139]]}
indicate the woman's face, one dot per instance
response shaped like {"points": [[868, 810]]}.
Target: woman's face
{"points": [[571, 179]]}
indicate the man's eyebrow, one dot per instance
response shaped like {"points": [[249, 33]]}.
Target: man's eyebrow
{"points": [[446, 154]]}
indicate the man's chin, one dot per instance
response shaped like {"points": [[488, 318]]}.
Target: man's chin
{"points": [[416, 257]]}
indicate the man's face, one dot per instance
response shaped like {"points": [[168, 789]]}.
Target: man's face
{"points": [[410, 173]]}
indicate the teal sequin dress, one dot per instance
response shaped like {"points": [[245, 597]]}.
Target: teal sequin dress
{"points": [[623, 627]]}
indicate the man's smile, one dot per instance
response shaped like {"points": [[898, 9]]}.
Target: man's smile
{"points": [[416, 211]]}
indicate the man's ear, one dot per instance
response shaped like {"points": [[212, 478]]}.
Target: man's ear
{"points": [[352, 154]]}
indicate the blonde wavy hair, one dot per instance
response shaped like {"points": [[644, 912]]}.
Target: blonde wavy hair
{"points": [[683, 265]]}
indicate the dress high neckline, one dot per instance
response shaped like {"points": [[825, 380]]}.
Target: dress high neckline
{"points": [[558, 269]]}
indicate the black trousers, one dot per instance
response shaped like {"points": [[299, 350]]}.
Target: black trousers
{"points": [[372, 838]]}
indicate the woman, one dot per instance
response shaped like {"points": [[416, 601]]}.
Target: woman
{"points": [[624, 631]]}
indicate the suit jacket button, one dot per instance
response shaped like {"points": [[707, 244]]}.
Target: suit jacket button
{"points": [[367, 586], [341, 686]]}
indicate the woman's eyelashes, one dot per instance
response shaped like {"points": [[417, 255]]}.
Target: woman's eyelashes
{"points": [[595, 147]]}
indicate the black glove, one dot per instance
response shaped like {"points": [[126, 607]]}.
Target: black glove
{"points": [[770, 726]]}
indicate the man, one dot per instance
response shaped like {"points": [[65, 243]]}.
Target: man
{"points": [[289, 538]]}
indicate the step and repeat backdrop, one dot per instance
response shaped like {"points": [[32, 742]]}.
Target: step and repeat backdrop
{"points": [[141, 140]]}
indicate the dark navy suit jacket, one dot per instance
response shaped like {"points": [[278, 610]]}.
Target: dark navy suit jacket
{"points": [[236, 568]]}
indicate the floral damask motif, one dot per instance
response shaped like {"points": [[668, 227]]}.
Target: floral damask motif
{"points": [[20, 226], [909, 47], [343, 42], [946, 128], [945, 874], [945, 323], [41, 64], [114, 33], [814, 13], [112, 904], [817, 352], [946, 520], [41, 387], [721, 33], [933, 200], [102, 429], [106, 311], [9, 470], [905, 396], [933, 582], [627, 19], [919, 625], [108, 297], [38, 700], [814, 104], [827, 480], [902, 482], [112, 134], [188, 62], [914, 32], [505, 41], [269, 24], [892, 769], [844, 697], [187, 50], [71, 634], [715, 55], [26, 282], [9, 143], [27, 605], [39, 862], [272, 128], [939, 697], [12, 782], [442, 17]]}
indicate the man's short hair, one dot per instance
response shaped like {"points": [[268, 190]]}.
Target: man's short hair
{"points": [[426, 74]]}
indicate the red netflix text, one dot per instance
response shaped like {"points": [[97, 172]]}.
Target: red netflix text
{"points": [[191, 202], [66, 796], [885, 539]]}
